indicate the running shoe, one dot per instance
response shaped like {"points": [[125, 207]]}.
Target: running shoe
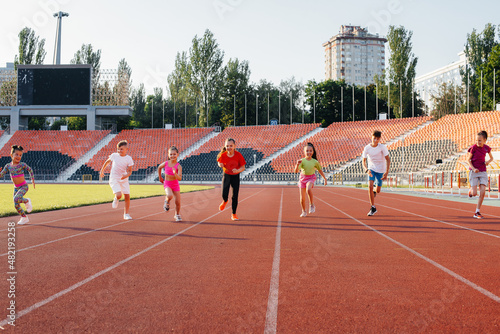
{"points": [[478, 215], [114, 205], [127, 217], [373, 210], [303, 214], [234, 217], [23, 220], [178, 218], [166, 205], [222, 206], [29, 207], [312, 209]]}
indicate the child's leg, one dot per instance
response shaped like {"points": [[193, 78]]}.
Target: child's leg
{"points": [[473, 190], [370, 193], [309, 187], [226, 183], [482, 192], [303, 199], [379, 188], [169, 194], [235, 184], [118, 195], [177, 195], [19, 192], [127, 202]]}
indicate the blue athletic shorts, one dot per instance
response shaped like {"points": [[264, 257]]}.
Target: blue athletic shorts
{"points": [[376, 177]]}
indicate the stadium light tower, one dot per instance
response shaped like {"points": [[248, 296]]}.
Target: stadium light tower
{"points": [[57, 46]]}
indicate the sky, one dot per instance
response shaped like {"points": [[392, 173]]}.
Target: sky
{"points": [[280, 39]]}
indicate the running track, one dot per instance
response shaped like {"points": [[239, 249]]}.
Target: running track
{"points": [[418, 265]]}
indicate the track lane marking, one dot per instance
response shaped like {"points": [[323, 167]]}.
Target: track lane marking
{"points": [[272, 302], [108, 269], [423, 257], [94, 230], [73, 217], [421, 216]]}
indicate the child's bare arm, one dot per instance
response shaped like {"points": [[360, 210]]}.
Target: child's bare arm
{"points": [[491, 159], [129, 172], [160, 167], [106, 163], [469, 161], [388, 163], [323, 175], [297, 165], [178, 173]]}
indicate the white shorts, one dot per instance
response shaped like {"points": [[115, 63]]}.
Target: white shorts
{"points": [[479, 178], [118, 185]]}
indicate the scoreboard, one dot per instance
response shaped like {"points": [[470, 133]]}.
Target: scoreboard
{"points": [[54, 85]]}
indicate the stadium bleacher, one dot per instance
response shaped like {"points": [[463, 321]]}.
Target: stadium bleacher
{"points": [[50, 152], [342, 142], [254, 143], [148, 149]]}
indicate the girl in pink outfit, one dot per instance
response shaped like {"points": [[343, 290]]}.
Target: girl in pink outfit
{"points": [[173, 174]]}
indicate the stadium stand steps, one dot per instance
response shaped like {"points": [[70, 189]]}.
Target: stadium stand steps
{"points": [[4, 138], [67, 174]]}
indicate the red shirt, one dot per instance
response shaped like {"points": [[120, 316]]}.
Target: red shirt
{"points": [[230, 163], [478, 156]]}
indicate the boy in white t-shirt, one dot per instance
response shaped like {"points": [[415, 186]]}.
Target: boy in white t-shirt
{"points": [[121, 169], [378, 166]]}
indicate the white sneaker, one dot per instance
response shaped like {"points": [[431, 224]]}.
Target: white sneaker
{"points": [[114, 205], [23, 221], [178, 218], [303, 214], [29, 207], [312, 209], [127, 217]]}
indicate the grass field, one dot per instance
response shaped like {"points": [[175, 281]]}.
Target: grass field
{"points": [[62, 196]]}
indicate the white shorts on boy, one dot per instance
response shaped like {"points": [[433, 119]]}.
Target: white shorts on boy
{"points": [[118, 186], [479, 178]]}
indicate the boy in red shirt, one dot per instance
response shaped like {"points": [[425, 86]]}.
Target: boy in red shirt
{"points": [[232, 163], [477, 165]]}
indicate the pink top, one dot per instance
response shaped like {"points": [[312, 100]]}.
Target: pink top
{"points": [[169, 170]]}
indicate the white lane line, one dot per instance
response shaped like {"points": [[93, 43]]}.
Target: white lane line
{"points": [[434, 205], [423, 257], [425, 217], [94, 230], [74, 217], [272, 302], [108, 269]]}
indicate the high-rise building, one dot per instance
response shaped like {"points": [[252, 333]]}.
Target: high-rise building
{"points": [[354, 55]]}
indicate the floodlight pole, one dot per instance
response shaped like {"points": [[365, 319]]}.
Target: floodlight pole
{"points": [[57, 46]]}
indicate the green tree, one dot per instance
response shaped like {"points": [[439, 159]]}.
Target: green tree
{"points": [[31, 48], [477, 50], [444, 100], [205, 60], [87, 55], [491, 72], [31, 51], [236, 77], [138, 104], [401, 71]]}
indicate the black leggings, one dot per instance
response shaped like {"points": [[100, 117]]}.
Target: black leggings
{"points": [[233, 181]]}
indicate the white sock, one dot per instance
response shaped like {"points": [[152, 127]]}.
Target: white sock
{"points": [[477, 210]]}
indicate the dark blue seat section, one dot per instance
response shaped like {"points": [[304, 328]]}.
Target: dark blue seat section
{"points": [[203, 167], [137, 175], [46, 165]]}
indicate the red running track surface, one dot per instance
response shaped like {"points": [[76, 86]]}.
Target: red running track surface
{"points": [[418, 265]]}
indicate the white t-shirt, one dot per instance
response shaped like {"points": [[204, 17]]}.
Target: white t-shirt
{"points": [[376, 157], [119, 165]]}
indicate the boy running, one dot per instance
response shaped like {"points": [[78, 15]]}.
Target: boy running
{"points": [[121, 169], [378, 166], [476, 157]]}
